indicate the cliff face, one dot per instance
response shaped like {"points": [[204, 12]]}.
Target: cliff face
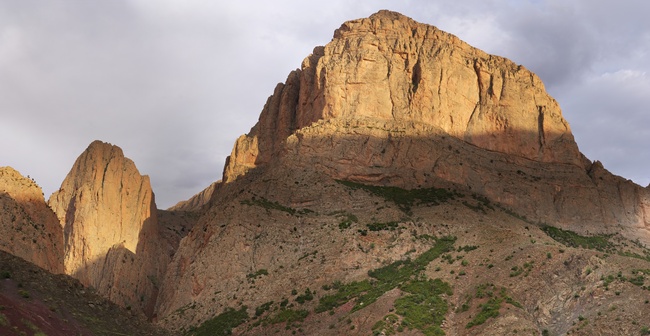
{"points": [[111, 233], [391, 101], [197, 201], [28, 227], [391, 68]]}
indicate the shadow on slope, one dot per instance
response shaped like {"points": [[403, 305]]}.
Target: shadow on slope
{"points": [[34, 301], [555, 188]]}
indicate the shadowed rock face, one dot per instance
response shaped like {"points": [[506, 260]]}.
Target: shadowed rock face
{"points": [[108, 214], [28, 228]]}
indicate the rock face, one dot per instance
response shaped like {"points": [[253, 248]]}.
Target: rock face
{"points": [[391, 101], [197, 201], [111, 233], [393, 69], [28, 227]]}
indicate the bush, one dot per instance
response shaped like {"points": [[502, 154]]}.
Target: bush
{"points": [[308, 296]]}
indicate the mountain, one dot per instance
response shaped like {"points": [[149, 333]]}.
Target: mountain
{"points": [[390, 101], [399, 182], [112, 236], [397, 154]]}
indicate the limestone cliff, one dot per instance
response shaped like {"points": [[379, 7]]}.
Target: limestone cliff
{"points": [[112, 239], [28, 227]]}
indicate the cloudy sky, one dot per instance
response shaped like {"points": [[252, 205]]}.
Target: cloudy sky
{"points": [[175, 82]]}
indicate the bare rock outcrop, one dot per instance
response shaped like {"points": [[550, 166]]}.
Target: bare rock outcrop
{"points": [[197, 201], [391, 68], [28, 227], [112, 240]]}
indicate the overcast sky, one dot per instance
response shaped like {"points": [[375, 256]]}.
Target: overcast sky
{"points": [[175, 82]]}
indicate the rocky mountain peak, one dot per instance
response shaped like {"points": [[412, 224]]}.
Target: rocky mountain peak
{"points": [[111, 233], [103, 186], [390, 69]]}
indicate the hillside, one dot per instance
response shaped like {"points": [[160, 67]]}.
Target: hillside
{"points": [[36, 302]]}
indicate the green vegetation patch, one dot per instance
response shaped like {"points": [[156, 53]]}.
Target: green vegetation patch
{"points": [[405, 198], [266, 204], [424, 309], [386, 326], [289, 316], [346, 220], [257, 274], [344, 293], [637, 278], [570, 238], [635, 255], [385, 279], [263, 308], [388, 226], [490, 308], [221, 324], [517, 270], [307, 296]]}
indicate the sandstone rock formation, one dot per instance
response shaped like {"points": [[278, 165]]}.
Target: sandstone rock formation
{"points": [[197, 201], [112, 238], [28, 227], [394, 102], [391, 68]]}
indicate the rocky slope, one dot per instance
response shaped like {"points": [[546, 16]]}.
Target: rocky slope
{"points": [[112, 236], [390, 137], [36, 302], [28, 227]]}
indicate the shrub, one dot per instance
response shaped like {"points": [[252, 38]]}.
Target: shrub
{"points": [[308, 296], [257, 274]]}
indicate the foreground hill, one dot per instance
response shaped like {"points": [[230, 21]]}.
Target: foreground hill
{"points": [[36, 302]]}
